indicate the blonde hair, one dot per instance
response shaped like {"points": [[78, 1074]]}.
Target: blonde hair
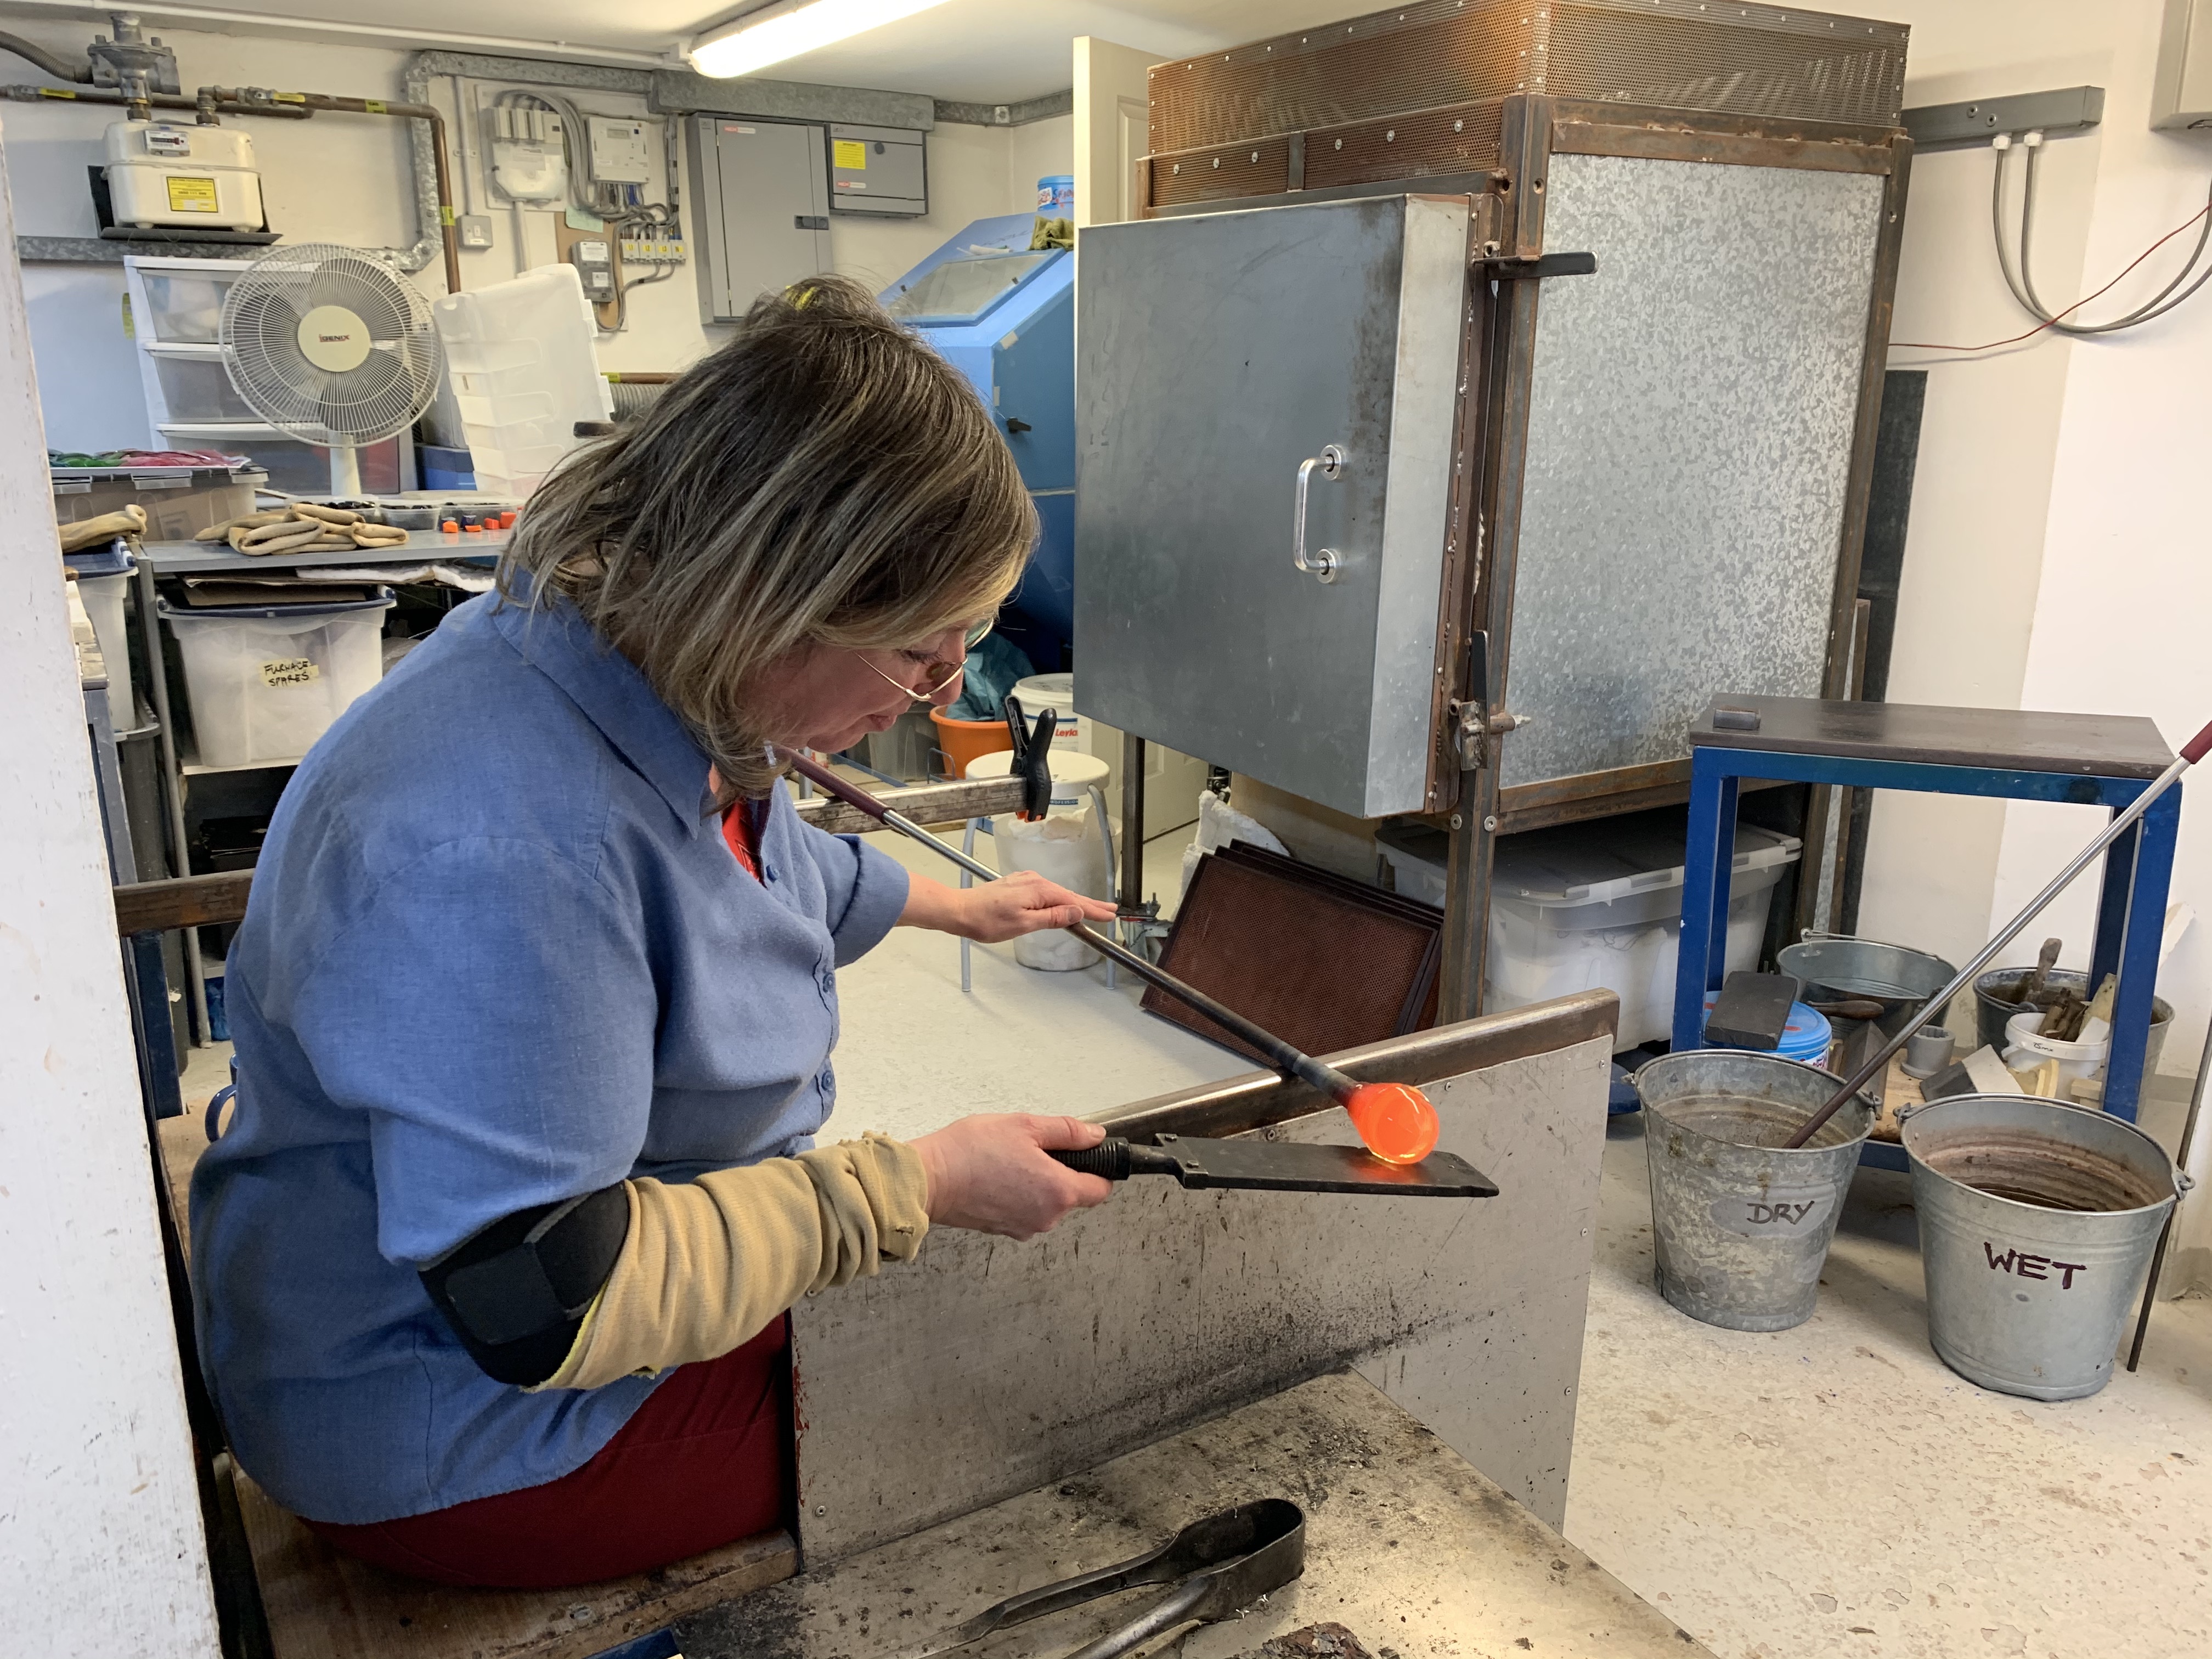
{"points": [[825, 477]]}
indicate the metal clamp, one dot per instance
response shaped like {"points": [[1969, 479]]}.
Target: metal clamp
{"points": [[1323, 564]]}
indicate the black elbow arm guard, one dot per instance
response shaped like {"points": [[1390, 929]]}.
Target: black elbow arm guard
{"points": [[516, 1292]]}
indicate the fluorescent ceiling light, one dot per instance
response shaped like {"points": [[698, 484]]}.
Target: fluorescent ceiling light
{"points": [[790, 27]]}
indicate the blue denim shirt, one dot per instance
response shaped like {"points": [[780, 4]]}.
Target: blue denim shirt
{"points": [[498, 954]]}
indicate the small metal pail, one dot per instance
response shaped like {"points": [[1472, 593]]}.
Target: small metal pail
{"points": [[2037, 1225], [1741, 1226]]}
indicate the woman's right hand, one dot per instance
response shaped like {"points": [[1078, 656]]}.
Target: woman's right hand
{"points": [[989, 1173]]}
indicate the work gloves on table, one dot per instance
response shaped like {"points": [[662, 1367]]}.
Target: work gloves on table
{"points": [[303, 527]]}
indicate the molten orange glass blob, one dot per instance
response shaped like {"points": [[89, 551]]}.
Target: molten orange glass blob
{"points": [[1394, 1121]]}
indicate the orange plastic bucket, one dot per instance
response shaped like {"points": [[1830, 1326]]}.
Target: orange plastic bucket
{"points": [[962, 741]]}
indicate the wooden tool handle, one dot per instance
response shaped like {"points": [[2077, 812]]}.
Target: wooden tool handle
{"points": [[823, 778]]}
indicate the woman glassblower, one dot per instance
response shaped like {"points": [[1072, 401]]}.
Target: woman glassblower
{"points": [[535, 997]]}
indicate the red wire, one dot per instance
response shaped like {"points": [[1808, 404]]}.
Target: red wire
{"points": [[1922, 345]]}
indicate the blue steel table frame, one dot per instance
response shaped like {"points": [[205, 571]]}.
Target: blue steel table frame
{"points": [[2130, 912]]}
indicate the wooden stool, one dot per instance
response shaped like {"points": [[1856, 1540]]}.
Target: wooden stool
{"points": [[322, 1604]]}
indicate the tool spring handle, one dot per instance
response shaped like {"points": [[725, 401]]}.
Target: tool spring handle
{"points": [[1108, 1159]]}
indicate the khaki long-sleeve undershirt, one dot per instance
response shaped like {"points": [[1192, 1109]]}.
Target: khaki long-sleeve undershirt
{"points": [[708, 1263]]}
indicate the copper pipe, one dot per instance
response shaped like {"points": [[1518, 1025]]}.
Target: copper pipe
{"points": [[448, 231], [30, 95]]}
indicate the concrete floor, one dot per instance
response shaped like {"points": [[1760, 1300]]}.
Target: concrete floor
{"points": [[1832, 1490], [1836, 1490]]}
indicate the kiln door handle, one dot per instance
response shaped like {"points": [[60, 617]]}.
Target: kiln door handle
{"points": [[1322, 566]]}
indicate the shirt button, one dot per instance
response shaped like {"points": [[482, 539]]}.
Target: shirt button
{"points": [[767, 872]]}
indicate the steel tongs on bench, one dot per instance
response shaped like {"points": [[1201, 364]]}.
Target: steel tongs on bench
{"points": [[1219, 1566]]}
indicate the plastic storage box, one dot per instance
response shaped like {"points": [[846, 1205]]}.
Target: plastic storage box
{"points": [[445, 468], [1599, 904], [265, 681], [185, 307], [521, 359], [198, 388], [103, 582], [179, 500]]}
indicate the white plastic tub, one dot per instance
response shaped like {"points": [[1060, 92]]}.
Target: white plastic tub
{"points": [[1066, 846], [1056, 692], [103, 598], [1599, 905], [521, 364], [2025, 1050], [264, 683]]}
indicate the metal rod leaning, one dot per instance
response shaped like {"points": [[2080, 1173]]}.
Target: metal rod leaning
{"points": [[1292, 1062], [2165, 1233], [2191, 752]]}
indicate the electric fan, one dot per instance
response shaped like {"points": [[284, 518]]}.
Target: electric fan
{"points": [[331, 345]]}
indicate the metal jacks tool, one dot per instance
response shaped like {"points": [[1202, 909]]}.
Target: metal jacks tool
{"points": [[1219, 1566], [1280, 1166]]}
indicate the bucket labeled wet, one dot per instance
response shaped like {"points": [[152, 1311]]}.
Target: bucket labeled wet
{"points": [[2037, 1225], [1741, 1226]]}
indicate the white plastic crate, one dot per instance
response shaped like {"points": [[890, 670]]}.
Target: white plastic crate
{"points": [[265, 682], [1599, 905], [197, 387], [523, 369], [178, 301]]}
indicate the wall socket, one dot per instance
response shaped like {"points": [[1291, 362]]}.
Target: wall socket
{"points": [[476, 230]]}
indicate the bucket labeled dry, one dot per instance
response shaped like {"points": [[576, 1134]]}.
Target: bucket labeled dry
{"points": [[1740, 1224], [2037, 1225]]}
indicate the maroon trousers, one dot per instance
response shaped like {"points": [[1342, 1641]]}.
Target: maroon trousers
{"points": [[705, 1461]]}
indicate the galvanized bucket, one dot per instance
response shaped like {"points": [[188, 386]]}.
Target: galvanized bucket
{"points": [[1741, 1226], [2037, 1225], [1832, 969]]}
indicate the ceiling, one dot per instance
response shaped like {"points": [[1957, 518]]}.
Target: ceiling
{"points": [[974, 50]]}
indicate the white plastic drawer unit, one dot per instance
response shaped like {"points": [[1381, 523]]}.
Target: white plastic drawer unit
{"points": [[180, 301], [1264, 449]]}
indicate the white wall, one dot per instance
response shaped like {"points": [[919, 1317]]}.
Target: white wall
{"points": [[2056, 556], [100, 1547], [347, 178]]}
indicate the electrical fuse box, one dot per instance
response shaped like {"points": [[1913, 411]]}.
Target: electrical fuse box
{"points": [[622, 150]]}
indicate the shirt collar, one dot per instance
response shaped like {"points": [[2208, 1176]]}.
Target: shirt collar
{"points": [[615, 697]]}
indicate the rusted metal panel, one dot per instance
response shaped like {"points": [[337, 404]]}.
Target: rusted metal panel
{"points": [[1257, 1100], [987, 1368], [928, 803], [1681, 55], [1591, 129]]}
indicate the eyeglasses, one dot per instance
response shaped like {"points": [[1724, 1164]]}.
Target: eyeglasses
{"points": [[937, 675]]}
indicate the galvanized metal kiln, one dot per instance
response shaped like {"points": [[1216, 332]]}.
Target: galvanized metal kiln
{"points": [[1358, 473]]}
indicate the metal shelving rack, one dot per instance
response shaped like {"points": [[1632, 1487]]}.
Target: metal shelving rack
{"points": [[158, 559]]}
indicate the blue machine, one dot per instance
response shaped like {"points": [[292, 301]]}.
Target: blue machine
{"points": [[1004, 315]]}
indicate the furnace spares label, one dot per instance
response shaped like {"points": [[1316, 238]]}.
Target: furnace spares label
{"points": [[290, 670]]}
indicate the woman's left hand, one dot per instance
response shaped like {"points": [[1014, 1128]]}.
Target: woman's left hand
{"points": [[993, 912]]}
